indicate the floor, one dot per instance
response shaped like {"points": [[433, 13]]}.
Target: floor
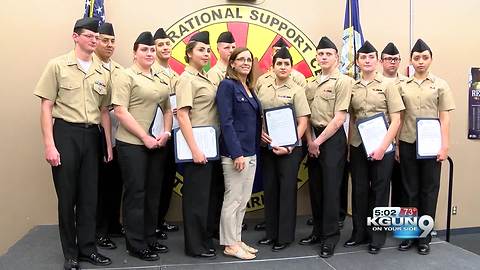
{"points": [[40, 250]]}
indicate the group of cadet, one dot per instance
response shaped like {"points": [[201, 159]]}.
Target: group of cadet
{"points": [[96, 119]]}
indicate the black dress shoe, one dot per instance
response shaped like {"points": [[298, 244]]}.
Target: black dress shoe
{"points": [[161, 235], [244, 227], [266, 242], [279, 246], [310, 222], [144, 254], [423, 249], [353, 243], [95, 258], [166, 227], [71, 264], [105, 242], [260, 226], [157, 247], [311, 240], [206, 255], [406, 245], [373, 249], [212, 250], [326, 251]]}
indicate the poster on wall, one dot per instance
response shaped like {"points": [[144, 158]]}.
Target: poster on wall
{"points": [[474, 104]]}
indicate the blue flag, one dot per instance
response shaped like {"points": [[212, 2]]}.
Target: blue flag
{"points": [[95, 9], [352, 39]]}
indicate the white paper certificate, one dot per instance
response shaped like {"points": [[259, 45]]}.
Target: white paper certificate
{"points": [[281, 126], [429, 137], [372, 131], [206, 139], [173, 105], [157, 126]]}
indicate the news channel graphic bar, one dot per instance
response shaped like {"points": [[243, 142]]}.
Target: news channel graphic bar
{"points": [[403, 222]]}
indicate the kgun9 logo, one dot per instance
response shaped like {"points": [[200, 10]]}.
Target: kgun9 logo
{"points": [[402, 221]]}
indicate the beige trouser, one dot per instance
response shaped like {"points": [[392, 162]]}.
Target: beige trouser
{"points": [[238, 189]]}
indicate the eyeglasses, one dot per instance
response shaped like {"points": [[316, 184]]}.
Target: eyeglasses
{"points": [[391, 59], [244, 60], [90, 36]]}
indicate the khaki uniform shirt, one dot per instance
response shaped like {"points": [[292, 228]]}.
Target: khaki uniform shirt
{"points": [[327, 97], [77, 96], [289, 93], [167, 75], [196, 91], [217, 73], [377, 96], [423, 100], [269, 76], [140, 94]]}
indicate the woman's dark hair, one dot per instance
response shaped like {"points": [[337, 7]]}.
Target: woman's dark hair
{"points": [[429, 50], [189, 49], [233, 74]]}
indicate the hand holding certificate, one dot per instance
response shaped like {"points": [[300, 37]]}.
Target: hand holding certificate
{"points": [[157, 126], [206, 139], [429, 138], [372, 131], [281, 126]]}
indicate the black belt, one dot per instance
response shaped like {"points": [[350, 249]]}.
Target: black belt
{"points": [[318, 130], [80, 125]]}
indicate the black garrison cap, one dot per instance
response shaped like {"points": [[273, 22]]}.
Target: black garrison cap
{"points": [[390, 49], [106, 29], [326, 43], [280, 43], [367, 47], [145, 38], [203, 37], [87, 23], [226, 37], [420, 46], [160, 34], [283, 53]]}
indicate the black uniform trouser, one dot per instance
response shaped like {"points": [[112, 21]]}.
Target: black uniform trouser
{"points": [[197, 200], [110, 187], [142, 172], [420, 181], [216, 200], [370, 189], [167, 184], [326, 175], [344, 192], [76, 183], [397, 195], [280, 193]]}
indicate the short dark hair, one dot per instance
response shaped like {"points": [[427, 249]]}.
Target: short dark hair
{"points": [[233, 74], [429, 50], [79, 31], [358, 54], [275, 57]]}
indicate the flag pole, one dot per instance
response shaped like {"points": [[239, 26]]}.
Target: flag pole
{"points": [[92, 3], [354, 43]]}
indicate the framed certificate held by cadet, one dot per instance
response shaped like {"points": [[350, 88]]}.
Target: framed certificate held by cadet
{"points": [[173, 106], [429, 138], [372, 131], [206, 139], [281, 125], [157, 126]]}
